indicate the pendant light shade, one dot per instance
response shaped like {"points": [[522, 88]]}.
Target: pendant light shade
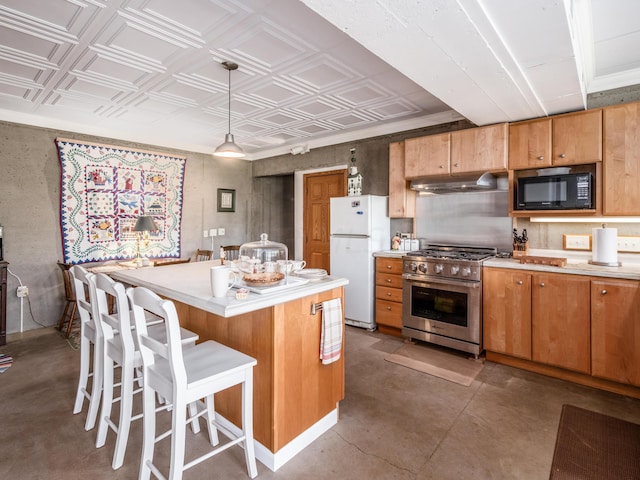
{"points": [[229, 149]]}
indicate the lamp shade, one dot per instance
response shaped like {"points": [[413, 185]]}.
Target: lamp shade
{"points": [[229, 148], [145, 224]]}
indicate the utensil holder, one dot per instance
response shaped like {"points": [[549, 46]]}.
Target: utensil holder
{"points": [[520, 249]]}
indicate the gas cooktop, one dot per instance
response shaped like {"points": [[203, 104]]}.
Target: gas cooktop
{"points": [[453, 252]]}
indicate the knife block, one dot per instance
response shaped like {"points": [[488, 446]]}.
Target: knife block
{"points": [[520, 249]]}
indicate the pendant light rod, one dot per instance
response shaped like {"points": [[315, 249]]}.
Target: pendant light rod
{"points": [[229, 147]]}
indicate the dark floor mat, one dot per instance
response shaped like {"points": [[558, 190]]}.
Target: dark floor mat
{"points": [[591, 445]]}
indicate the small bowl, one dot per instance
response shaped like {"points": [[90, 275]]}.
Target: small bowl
{"points": [[242, 294]]}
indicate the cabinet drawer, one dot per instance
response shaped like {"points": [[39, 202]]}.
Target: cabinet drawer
{"points": [[388, 280], [390, 294], [389, 265], [389, 313]]}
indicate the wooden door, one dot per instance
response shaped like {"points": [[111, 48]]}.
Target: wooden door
{"points": [[577, 138], [530, 144], [622, 159], [480, 149], [561, 321], [427, 156], [318, 189], [615, 330], [507, 312]]}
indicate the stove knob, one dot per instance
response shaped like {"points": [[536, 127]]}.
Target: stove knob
{"points": [[466, 271], [422, 267], [413, 267], [439, 268], [455, 269]]}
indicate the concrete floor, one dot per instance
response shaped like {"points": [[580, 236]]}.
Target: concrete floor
{"points": [[395, 423]]}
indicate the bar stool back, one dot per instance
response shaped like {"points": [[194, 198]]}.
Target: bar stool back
{"points": [[184, 376], [79, 279], [70, 306]]}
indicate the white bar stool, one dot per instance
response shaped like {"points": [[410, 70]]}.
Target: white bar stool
{"points": [[121, 348], [89, 335], [185, 376]]}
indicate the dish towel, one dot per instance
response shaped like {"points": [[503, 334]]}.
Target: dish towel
{"points": [[331, 331]]}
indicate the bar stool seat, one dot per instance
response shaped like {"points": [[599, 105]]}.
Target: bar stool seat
{"points": [[185, 376]]}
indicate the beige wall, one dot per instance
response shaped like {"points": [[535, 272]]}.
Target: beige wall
{"points": [[30, 202]]}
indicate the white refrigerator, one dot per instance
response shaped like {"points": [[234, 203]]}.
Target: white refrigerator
{"points": [[359, 227]]}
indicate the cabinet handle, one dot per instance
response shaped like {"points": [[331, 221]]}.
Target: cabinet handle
{"points": [[388, 280], [388, 308], [562, 155], [455, 164], [441, 166], [603, 292], [388, 267], [519, 282], [540, 157], [542, 284], [388, 294]]}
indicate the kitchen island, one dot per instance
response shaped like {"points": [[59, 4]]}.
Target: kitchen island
{"points": [[295, 396]]}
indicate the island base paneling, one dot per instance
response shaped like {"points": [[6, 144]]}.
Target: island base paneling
{"points": [[293, 390]]}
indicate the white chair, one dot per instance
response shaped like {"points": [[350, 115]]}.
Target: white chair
{"points": [[121, 348], [184, 376], [79, 277]]}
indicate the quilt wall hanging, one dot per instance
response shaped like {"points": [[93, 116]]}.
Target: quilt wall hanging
{"points": [[104, 189]]}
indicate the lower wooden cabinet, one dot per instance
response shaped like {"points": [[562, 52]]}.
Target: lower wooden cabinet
{"points": [[560, 321], [507, 312], [389, 295], [576, 327], [615, 330]]}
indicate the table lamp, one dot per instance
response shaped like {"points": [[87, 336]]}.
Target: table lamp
{"points": [[143, 224]]}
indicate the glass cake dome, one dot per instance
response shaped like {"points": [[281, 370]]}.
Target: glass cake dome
{"points": [[264, 250]]}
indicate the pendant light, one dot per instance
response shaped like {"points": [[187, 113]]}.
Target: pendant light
{"points": [[229, 149]]}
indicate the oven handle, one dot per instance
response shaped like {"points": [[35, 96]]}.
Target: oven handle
{"points": [[435, 281]]}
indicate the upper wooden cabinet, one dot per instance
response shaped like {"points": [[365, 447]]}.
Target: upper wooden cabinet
{"points": [[427, 156], [621, 168], [402, 200], [571, 139], [480, 149]]}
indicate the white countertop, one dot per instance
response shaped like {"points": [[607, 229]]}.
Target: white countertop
{"points": [[190, 283], [391, 253], [577, 263]]}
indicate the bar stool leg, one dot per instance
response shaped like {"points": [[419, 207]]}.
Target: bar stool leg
{"points": [[247, 424]]}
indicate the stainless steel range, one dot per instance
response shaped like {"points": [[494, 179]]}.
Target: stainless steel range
{"points": [[442, 295]]}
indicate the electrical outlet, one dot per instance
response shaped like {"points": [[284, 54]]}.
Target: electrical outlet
{"points": [[629, 244], [206, 233], [22, 291], [221, 232], [213, 232], [576, 242]]}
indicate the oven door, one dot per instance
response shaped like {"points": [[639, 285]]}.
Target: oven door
{"points": [[447, 308]]}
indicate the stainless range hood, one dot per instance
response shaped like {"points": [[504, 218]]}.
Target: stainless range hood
{"points": [[467, 183]]}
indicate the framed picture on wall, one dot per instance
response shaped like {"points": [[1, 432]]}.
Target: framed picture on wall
{"points": [[226, 200]]}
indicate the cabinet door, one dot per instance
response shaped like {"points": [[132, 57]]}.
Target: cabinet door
{"points": [[621, 160], [577, 138], [426, 156], [507, 312], [402, 200], [615, 330], [530, 144], [560, 321], [389, 265], [389, 313], [479, 149]]}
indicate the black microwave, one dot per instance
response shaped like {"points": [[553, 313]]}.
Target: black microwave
{"points": [[570, 191]]}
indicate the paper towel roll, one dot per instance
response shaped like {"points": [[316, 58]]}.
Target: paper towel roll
{"points": [[605, 246]]}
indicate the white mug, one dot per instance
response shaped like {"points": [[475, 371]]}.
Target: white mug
{"points": [[297, 265], [220, 280]]}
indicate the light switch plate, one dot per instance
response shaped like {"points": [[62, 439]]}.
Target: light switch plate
{"points": [[213, 232], [221, 232], [576, 242]]}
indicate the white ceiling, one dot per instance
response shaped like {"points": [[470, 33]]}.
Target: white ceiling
{"points": [[311, 72]]}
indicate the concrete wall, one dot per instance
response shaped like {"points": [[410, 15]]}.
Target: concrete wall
{"points": [[30, 202]]}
